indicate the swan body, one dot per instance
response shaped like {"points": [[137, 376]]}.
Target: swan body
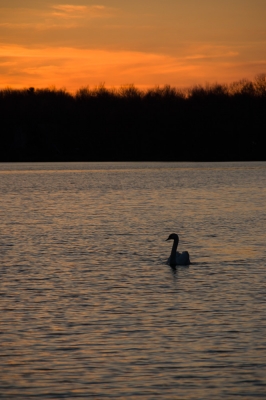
{"points": [[177, 258]]}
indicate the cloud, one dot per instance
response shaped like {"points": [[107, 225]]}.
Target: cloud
{"points": [[207, 51], [69, 8], [73, 68], [59, 16], [71, 11]]}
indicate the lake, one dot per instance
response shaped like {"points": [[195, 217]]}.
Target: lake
{"points": [[90, 309]]}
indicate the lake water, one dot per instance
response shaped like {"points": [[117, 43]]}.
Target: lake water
{"points": [[89, 308]]}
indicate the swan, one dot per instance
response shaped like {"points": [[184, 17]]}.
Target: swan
{"points": [[177, 258]]}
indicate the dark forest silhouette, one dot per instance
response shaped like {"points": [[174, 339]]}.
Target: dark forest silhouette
{"points": [[210, 123]]}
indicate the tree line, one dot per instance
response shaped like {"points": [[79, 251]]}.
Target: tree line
{"points": [[202, 123]]}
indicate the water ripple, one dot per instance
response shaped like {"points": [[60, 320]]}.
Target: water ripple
{"points": [[89, 308]]}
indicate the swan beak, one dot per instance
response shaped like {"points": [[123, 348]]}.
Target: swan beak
{"points": [[167, 239]]}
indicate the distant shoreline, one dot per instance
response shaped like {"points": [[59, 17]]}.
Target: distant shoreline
{"points": [[211, 123]]}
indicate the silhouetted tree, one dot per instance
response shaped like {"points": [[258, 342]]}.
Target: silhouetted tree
{"points": [[212, 122]]}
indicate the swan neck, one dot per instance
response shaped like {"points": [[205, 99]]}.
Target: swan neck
{"points": [[173, 252]]}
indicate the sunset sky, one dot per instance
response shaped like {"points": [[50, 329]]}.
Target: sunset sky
{"points": [[79, 43]]}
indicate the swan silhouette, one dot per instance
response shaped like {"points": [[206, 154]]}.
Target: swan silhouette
{"points": [[177, 258]]}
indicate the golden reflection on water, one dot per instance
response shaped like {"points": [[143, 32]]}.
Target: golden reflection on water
{"points": [[89, 307]]}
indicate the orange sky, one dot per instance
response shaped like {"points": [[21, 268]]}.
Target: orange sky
{"points": [[78, 43]]}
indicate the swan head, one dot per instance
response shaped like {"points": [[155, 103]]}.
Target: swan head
{"points": [[173, 236]]}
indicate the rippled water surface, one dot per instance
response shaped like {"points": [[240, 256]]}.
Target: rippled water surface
{"points": [[89, 308]]}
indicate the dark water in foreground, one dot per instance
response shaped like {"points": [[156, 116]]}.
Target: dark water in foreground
{"points": [[90, 310]]}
